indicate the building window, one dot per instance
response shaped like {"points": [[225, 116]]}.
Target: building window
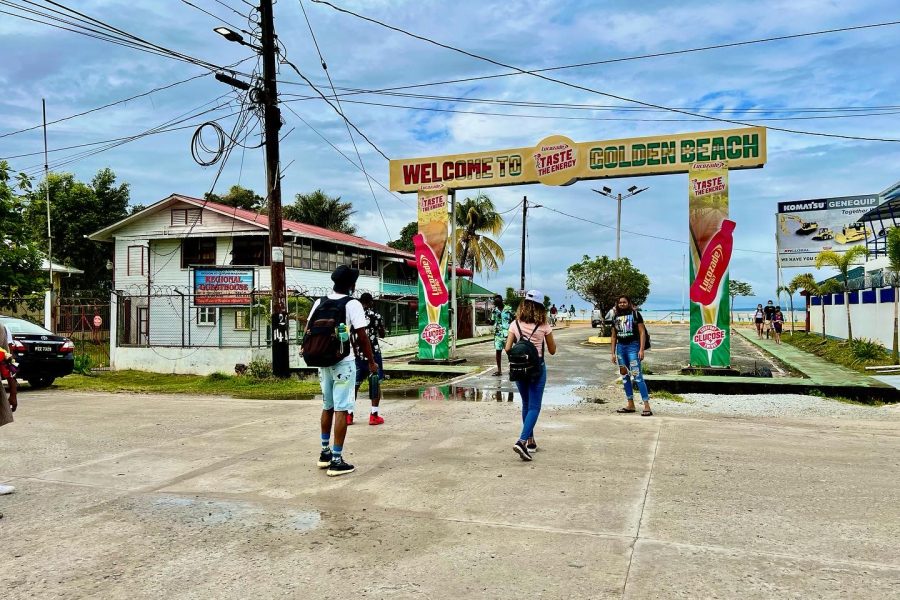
{"points": [[251, 250], [184, 217], [206, 316], [198, 251], [137, 260], [242, 319]]}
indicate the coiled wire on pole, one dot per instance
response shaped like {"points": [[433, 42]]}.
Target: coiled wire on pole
{"points": [[198, 145]]}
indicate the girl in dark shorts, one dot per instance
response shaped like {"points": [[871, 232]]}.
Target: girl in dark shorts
{"points": [[778, 324], [758, 317]]}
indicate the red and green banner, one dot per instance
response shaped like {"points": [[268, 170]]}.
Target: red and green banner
{"points": [[711, 246], [432, 255]]}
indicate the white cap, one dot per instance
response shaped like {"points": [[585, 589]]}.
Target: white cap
{"points": [[535, 296]]}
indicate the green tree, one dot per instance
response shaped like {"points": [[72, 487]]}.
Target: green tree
{"points": [[321, 210], [893, 253], [600, 281], [808, 283], [476, 220], [738, 288], [238, 197], [79, 209], [842, 262], [790, 289], [20, 260], [512, 299], [404, 242]]}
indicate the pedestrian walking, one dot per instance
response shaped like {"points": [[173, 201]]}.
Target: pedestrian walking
{"points": [[769, 312], [501, 318], [8, 403], [530, 329], [553, 312], [326, 344], [778, 324], [572, 311], [629, 337], [374, 330], [758, 317]]}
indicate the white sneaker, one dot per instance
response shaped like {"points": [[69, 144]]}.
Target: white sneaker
{"points": [[6, 489]]}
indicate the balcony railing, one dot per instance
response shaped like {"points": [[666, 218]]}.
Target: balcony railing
{"points": [[399, 287]]}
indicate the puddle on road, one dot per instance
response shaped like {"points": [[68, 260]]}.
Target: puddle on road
{"points": [[502, 391], [210, 513]]}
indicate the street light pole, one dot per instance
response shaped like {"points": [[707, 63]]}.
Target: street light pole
{"points": [[272, 123], [632, 191]]}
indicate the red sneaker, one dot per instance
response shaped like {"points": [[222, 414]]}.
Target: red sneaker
{"points": [[349, 418], [376, 419]]}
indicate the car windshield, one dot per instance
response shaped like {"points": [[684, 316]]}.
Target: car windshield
{"points": [[22, 326]]}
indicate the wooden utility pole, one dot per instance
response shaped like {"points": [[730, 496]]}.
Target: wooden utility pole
{"points": [[524, 219], [272, 123]]}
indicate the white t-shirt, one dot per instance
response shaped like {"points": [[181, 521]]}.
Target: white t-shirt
{"points": [[356, 316]]}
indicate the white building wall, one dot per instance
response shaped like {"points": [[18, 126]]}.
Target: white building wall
{"points": [[872, 321]]}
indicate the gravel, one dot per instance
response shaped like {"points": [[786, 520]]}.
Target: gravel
{"points": [[772, 405]]}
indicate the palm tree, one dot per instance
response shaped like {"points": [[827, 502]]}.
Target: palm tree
{"points": [[321, 210], [790, 289], [475, 219], [808, 283], [893, 253], [842, 262]]}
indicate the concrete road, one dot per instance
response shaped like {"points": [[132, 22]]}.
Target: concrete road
{"points": [[130, 496]]}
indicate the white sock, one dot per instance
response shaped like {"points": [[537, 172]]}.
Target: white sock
{"points": [[374, 410]]}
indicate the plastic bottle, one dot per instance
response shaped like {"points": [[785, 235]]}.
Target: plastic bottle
{"points": [[374, 386], [343, 333], [713, 265]]}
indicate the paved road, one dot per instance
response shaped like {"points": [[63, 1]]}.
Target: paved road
{"points": [[130, 496]]}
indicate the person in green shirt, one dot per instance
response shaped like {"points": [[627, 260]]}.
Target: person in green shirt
{"points": [[501, 318]]}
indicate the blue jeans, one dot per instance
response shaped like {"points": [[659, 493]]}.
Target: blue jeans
{"points": [[627, 355], [532, 392]]}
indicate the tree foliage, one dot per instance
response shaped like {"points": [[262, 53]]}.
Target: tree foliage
{"points": [[404, 242], [20, 260], [477, 219], [893, 253], [239, 197], [738, 288], [79, 209], [601, 280], [842, 262], [512, 299], [321, 210]]}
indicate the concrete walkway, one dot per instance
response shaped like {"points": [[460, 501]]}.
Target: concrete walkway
{"points": [[134, 496]]}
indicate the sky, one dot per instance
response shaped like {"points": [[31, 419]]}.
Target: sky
{"points": [[763, 81]]}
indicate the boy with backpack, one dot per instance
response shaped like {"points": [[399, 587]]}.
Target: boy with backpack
{"points": [[528, 336], [326, 344]]}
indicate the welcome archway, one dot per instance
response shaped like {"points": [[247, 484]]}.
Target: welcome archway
{"points": [[556, 160]]}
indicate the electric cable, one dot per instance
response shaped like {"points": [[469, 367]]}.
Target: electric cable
{"points": [[595, 91], [345, 119], [217, 17]]}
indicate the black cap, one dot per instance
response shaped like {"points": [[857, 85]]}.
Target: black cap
{"points": [[345, 277]]}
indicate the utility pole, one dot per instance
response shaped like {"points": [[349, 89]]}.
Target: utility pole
{"points": [[272, 123], [524, 223], [632, 191], [49, 231]]}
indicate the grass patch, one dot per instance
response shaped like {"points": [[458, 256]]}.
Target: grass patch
{"points": [[217, 384], [856, 355], [664, 395], [843, 400]]}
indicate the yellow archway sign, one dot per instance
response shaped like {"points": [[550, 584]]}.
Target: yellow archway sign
{"points": [[557, 160]]}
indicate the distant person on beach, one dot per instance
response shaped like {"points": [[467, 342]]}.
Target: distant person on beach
{"points": [[553, 312], [758, 317], [572, 311]]}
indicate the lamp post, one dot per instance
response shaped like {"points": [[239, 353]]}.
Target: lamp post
{"points": [[632, 191]]}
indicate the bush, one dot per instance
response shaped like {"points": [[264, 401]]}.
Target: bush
{"points": [[218, 377], [865, 350], [260, 368], [84, 364]]}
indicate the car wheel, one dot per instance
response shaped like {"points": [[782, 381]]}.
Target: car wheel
{"points": [[41, 382]]}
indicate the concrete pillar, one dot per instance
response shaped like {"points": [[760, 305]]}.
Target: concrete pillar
{"points": [[48, 310], [113, 329]]}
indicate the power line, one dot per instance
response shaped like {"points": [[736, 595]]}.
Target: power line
{"points": [[626, 119], [594, 91], [218, 18], [348, 159], [344, 117]]}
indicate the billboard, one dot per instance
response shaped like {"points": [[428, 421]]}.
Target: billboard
{"points": [[712, 237], [432, 255], [557, 160], [806, 227], [217, 286]]}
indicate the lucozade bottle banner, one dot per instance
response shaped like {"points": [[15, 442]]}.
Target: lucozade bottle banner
{"points": [[432, 255], [711, 246]]}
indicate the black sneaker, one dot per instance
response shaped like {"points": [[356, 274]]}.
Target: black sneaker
{"points": [[522, 451], [325, 458], [532, 447], [339, 467]]}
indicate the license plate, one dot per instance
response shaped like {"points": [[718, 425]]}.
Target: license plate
{"points": [[43, 348]]}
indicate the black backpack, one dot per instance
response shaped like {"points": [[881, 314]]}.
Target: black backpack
{"points": [[322, 345], [647, 334], [524, 361]]}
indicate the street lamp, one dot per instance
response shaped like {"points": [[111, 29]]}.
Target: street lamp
{"points": [[234, 36], [632, 191]]}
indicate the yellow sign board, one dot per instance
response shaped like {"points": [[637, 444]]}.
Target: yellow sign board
{"points": [[557, 160]]}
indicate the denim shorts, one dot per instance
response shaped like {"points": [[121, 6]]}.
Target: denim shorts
{"points": [[338, 389]]}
